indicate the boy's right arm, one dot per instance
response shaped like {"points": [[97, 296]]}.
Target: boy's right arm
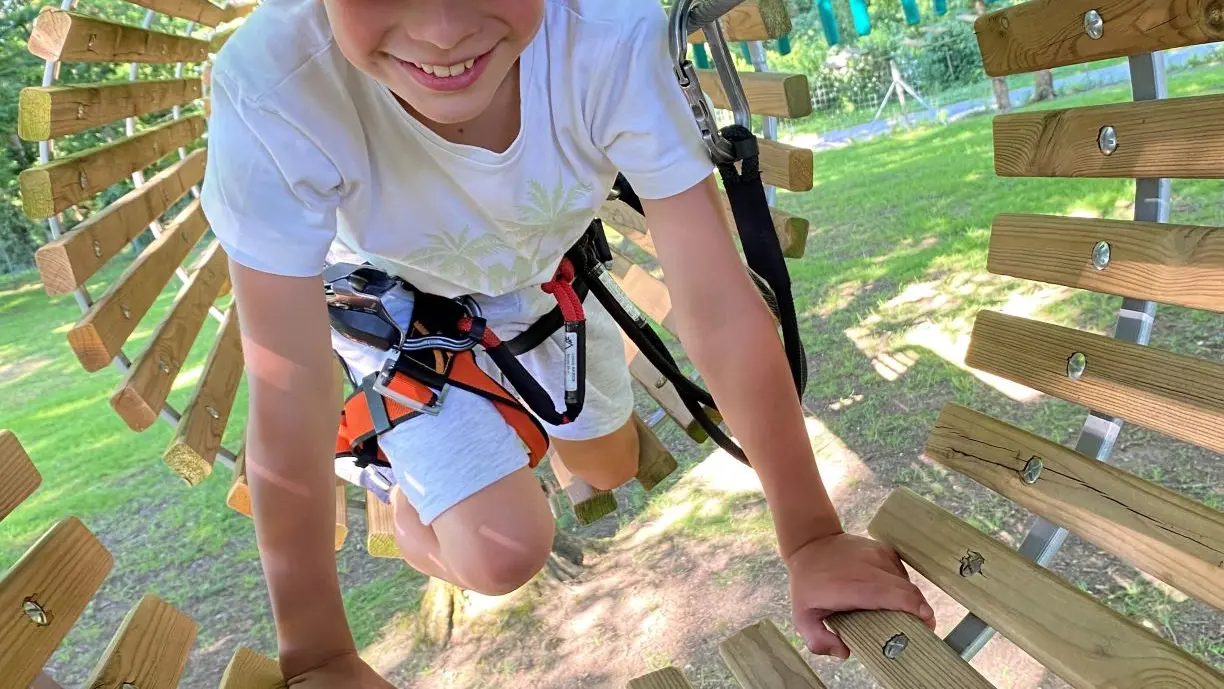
{"points": [[294, 415]]}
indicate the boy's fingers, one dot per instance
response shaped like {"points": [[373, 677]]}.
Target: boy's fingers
{"points": [[823, 642]]}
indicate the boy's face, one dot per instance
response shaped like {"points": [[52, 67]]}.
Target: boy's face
{"points": [[445, 58]]}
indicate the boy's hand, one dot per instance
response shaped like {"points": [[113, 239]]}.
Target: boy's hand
{"points": [[843, 573], [342, 672]]}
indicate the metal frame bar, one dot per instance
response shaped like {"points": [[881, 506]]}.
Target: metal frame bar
{"points": [[1149, 81]]}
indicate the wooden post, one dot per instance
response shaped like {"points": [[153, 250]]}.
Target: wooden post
{"points": [[590, 504]]}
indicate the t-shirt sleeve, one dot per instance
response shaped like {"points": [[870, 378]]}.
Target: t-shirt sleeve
{"points": [[642, 120], [269, 193]]}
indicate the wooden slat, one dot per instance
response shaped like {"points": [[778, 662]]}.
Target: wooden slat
{"points": [[786, 167], [1044, 34], [49, 189], [198, 437], [44, 681], [66, 263], [53, 111], [754, 20], [380, 528], [925, 663], [341, 515], [1179, 137], [18, 477], [647, 292], [74, 37], [792, 231], [238, 10], [665, 394], [199, 11], [239, 496], [760, 657], [1063, 628], [655, 462], [1178, 395], [1158, 530], [667, 678], [768, 93], [219, 39], [590, 504], [100, 333], [149, 651], [59, 574], [250, 670], [144, 390], [1172, 264]]}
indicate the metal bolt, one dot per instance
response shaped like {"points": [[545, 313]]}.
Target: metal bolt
{"points": [[894, 647], [161, 364], [1076, 365], [1094, 24], [660, 383], [90, 41], [127, 313], [1107, 140], [80, 111], [97, 246], [614, 194], [35, 612], [971, 564], [213, 413], [1032, 470], [83, 179], [1101, 254]]}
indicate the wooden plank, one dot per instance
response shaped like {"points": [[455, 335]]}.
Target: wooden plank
{"points": [[198, 11], [1179, 541], [1178, 395], [1083, 642], [53, 111], [1172, 264], [655, 462], [18, 477], [239, 496], [250, 670], [101, 332], [925, 661], [754, 20], [1178, 137], [590, 504], [198, 437], [667, 678], [380, 528], [143, 392], [75, 37], [792, 231], [44, 681], [768, 93], [57, 576], [787, 167], [66, 263], [647, 291], [49, 189], [341, 515], [149, 651], [238, 10], [760, 657], [1031, 36], [665, 394], [220, 38]]}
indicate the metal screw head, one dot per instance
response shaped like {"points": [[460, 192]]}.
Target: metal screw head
{"points": [[1107, 140], [97, 247], [80, 111], [83, 180], [1032, 470], [1094, 24], [35, 612], [213, 413], [1076, 365], [127, 313], [895, 646], [1101, 254], [971, 564], [161, 364], [660, 383], [90, 41]]}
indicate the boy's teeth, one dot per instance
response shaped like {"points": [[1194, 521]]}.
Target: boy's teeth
{"points": [[444, 70], [469, 63]]}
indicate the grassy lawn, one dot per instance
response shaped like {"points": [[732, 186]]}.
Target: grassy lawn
{"points": [[894, 276]]}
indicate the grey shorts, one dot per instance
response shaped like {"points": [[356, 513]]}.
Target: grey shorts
{"points": [[439, 461]]}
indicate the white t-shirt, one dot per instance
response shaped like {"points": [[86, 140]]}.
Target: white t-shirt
{"points": [[306, 151]]}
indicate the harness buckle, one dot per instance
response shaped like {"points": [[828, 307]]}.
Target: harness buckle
{"points": [[382, 385]]}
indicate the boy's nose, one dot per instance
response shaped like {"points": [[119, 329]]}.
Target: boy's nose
{"points": [[442, 23]]}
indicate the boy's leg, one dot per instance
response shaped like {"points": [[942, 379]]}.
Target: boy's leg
{"points": [[605, 462]]}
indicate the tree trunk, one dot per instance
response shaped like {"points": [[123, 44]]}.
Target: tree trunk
{"points": [[1043, 88], [999, 84]]}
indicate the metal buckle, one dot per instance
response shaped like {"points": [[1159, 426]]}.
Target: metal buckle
{"points": [[382, 383]]}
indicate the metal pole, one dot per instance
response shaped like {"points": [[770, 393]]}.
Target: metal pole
{"points": [[1043, 541], [760, 62]]}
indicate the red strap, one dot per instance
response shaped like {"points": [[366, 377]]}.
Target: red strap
{"points": [[561, 287], [488, 338]]}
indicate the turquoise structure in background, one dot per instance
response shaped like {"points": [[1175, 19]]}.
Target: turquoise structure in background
{"points": [[862, 18], [912, 15], [828, 21]]}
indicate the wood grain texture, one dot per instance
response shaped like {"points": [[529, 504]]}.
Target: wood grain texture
{"points": [[59, 573], [760, 657], [1178, 395], [655, 461], [769, 93], [49, 189], [787, 167], [1171, 264], [926, 663], [74, 37], [792, 231], [198, 436], [53, 111], [239, 496], [1044, 34], [144, 389], [18, 477], [341, 515], [753, 20], [149, 651], [98, 336], [1175, 539], [1083, 642], [199, 11], [1178, 137], [667, 678], [66, 263], [647, 291], [250, 670], [380, 528]]}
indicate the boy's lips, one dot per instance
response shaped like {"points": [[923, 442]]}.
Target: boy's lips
{"points": [[446, 84]]}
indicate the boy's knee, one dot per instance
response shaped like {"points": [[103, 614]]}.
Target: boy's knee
{"points": [[497, 572]]}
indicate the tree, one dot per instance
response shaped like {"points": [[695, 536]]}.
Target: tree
{"points": [[1043, 88], [998, 84]]}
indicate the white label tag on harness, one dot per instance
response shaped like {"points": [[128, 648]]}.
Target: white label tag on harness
{"points": [[619, 294], [571, 361]]}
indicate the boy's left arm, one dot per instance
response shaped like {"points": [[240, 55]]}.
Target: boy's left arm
{"points": [[729, 333]]}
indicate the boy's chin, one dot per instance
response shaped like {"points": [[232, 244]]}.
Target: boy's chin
{"points": [[454, 108]]}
